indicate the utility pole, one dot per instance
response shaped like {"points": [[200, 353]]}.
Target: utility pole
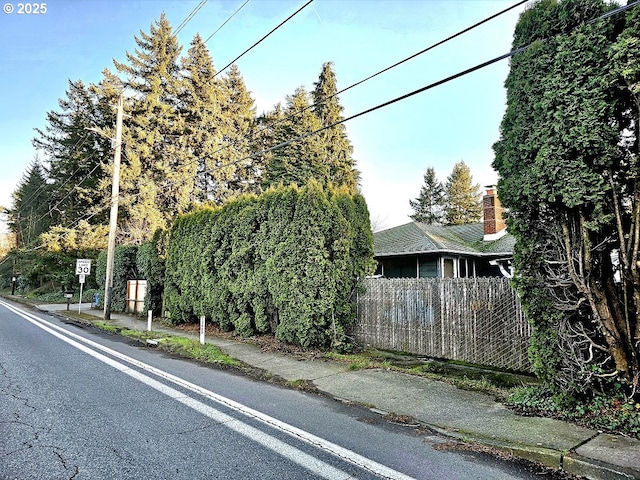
{"points": [[113, 215]]}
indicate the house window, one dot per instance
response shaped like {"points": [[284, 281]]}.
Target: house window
{"points": [[462, 268], [428, 268], [448, 268], [400, 267]]}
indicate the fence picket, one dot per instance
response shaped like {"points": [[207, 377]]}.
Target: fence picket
{"points": [[476, 320]]}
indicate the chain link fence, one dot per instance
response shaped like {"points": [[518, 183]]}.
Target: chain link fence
{"points": [[476, 320]]}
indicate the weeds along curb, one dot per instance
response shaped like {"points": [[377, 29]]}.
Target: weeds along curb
{"points": [[158, 340]]}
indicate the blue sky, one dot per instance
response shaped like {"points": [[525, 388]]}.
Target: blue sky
{"points": [[77, 39]]}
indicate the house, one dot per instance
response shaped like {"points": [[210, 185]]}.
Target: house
{"points": [[482, 249]]}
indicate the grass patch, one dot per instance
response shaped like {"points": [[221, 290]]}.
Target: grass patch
{"points": [[302, 385], [360, 361], [189, 348], [184, 347], [107, 327], [499, 384]]}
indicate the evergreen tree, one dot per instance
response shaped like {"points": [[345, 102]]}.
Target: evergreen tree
{"points": [[202, 101], [568, 162], [301, 160], [158, 174], [338, 149], [29, 216], [74, 153], [463, 203], [242, 171], [267, 132], [83, 241], [429, 206]]}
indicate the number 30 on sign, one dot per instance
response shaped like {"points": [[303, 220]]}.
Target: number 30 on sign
{"points": [[83, 266]]}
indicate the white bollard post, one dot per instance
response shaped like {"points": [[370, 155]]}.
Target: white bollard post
{"points": [[149, 318], [202, 330]]}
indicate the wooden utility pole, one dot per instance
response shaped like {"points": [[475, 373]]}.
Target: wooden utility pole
{"points": [[113, 215]]}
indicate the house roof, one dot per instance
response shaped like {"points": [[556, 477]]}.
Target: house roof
{"points": [[415, 237]]}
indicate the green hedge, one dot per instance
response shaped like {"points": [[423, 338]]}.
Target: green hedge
{"points": [[150, 261], [124, 268], [287, 262]]}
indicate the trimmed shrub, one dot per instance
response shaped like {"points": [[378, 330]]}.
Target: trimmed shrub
{"points": [[286, 262], [150, 261], [124, 268]]}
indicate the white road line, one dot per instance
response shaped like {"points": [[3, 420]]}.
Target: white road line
{"points": [[272, 443]]}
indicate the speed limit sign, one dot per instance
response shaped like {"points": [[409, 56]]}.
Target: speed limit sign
{"points": [[83, 266]]}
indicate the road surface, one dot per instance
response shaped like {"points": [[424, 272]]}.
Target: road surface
{"points": [[76, 403]]}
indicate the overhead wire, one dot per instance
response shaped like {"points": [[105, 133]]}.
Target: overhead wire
{"points": [[409, 94], [431, 47], [381, 105], [386, 69], [421, 90], [189, 17], [33, 195], [226, 21], [86, 177], [264, 37], [51, 208], [67, 180], [256, 43]]}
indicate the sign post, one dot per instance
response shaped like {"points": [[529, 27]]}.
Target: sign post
{"points": [[83, 268]]}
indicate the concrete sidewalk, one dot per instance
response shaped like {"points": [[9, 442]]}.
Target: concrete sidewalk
{"points": [[469, 416]]}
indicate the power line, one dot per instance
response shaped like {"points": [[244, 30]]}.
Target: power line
{"points": [[372, 109], [263, 38], [32, 197], [411, 57], [628, 6], [431, 47], [382, 105], [226, 21], [419, 90], [189, 17], [405, 96], [86, 177]]}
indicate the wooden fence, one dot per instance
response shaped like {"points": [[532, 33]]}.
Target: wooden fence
{"points": [[476, 320]]}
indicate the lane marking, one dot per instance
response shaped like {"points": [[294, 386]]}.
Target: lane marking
{"points": [[297, 456], [325, 445]]}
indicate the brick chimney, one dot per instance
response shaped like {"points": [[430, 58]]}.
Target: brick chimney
{"points": [[494, 226]]}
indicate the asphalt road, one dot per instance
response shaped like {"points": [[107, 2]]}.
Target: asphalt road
{"points": [[76, 403]]}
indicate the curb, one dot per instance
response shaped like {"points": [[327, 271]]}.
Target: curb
{"points": [[569, 462], [595, 470], [545, 456]]}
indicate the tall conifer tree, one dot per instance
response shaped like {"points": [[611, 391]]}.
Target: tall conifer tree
{"points": [[463, 197], [429, 206], [202, 101], [161, 174], [238, 113], [338, 153], [301, 160], [29, 216], [73, 152]]}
